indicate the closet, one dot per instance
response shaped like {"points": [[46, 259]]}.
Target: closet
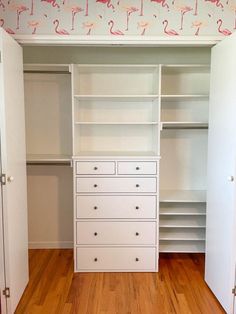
{"points": [[117, 150]]}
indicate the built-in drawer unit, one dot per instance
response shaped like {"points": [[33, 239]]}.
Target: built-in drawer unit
{"points": [[116, 206], [116, 185], [115, 233], [95, 167], [137, 167], [115, 259]]}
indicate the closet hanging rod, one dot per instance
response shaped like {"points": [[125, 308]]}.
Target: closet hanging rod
{"points": [[185, 127], [34, 163], [46, 72]]}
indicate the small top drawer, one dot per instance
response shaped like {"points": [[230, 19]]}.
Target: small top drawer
{"points": [[95, 167], [137, 167]]}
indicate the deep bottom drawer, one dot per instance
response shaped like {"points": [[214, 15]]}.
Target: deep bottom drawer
{"points": [[115, 259]]}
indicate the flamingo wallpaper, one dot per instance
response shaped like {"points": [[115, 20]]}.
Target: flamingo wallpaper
{"points": [[119, 17]]}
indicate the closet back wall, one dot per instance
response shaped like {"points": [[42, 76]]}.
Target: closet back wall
{"points": [[50, 188]]}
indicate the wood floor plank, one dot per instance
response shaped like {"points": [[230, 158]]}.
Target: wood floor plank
{"points": [[178, 288]]}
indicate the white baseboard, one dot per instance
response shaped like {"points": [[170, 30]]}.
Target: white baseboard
{"points": [[51, 245]]}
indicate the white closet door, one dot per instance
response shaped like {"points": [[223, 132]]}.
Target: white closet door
{"points": [[221, 196], [13, 161]]}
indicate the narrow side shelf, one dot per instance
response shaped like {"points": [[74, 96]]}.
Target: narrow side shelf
{"points": [[47, 159], [183, 196]]}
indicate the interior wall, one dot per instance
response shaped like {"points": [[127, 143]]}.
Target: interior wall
{"points": [[111, 18]]}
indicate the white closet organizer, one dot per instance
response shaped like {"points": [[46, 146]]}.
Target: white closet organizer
{"points": [[184, 118], [116, 170]]}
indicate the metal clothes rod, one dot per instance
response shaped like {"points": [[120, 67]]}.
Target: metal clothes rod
{"points": [[185, 128]]}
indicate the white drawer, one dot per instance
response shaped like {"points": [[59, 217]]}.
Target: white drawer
{"points": [[116, 185], [115, 259], [137, 167], [115, 233], [112, 206], [95, 167]]}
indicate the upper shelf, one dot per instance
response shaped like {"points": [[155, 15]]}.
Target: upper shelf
{"points": [[136, 98], [183, 196], [47, 159], [184, 97], [47, 68]]}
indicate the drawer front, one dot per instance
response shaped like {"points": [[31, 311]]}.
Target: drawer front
{"points": [[137, 168], [104, 233], [116, 185], [111, 206], [95, 167], [116, 259]]}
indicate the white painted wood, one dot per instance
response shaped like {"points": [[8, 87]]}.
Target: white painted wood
{"points": [[47, 158], [183, 196], [115, 233], [183, 221], [180, 209], [116, 185], [136, 41], [116, 259], [116, 80], [13, 161], [112, 206], [137, 168], [95, 167], [32, 67], [221, 195], [123, 98], [177, 234], [182, 246]]}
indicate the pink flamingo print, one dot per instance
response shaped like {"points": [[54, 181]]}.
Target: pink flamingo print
{"points": [[129, 11], [107, 2], [197, 25], [8, 30], [143, 25], [183, 11], [216, 2], [86, 8], [19, 10], [224, 31], [89, 26], [196, 8], [34, 25], [163, 3], [170, 32], [74, 11], [60, 31], [141, 8], [52, 2], [32, 7], [2, 5], [114, 32]]}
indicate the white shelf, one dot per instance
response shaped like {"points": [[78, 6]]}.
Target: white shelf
{"points": [[183, 196], [33, 67], [183, 125], [136, 98], [183, 209], [116, 153], [116, 123], [184, 97], [47, 158], [182, 235], [182, 246], [182, 222]]}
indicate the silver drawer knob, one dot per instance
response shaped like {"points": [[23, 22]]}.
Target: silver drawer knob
{"points": [[231, 178], [95, 168], [137, 185], [137, 168]]}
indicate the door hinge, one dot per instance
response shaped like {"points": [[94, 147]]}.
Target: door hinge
{"points": [[3, 179], [6, 292], [234, 291]]}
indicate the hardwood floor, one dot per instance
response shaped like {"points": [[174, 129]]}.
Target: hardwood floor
{"points": [[177, 288]]}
